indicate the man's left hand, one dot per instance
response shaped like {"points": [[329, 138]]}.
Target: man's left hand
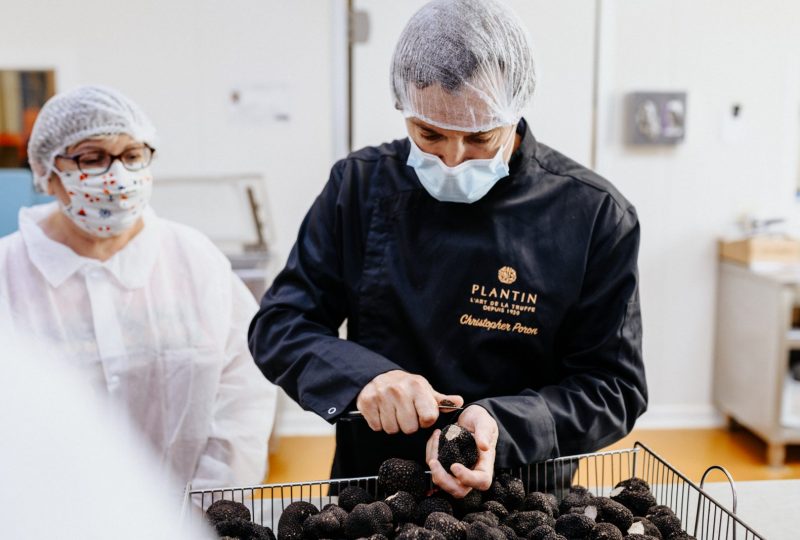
{"points": [[483, 427]]}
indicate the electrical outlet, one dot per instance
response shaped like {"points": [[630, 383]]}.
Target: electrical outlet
{"points": [[656, 117]]}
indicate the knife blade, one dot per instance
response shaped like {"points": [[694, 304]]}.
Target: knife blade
{"points": [[356, 415]]}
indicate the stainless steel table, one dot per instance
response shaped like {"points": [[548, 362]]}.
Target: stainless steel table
{"points": [[770, 507]]}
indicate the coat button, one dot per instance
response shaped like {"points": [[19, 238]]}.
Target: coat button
{"points": [[332, 410]]}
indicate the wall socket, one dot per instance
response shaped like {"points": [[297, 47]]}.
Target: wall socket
{"points": [[655, 118]]}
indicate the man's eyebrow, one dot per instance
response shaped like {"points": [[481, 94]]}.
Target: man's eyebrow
{"points": [[426, 128]]}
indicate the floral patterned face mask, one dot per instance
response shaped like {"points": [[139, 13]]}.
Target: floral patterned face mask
{"points": [[107, 204]]}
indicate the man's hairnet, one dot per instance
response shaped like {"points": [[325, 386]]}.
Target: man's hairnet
{"points": [[70, 117], [465, 65]]}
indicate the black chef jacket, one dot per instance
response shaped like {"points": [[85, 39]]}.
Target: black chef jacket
{"points": [[524, 302]]}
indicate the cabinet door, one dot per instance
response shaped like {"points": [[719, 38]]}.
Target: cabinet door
{"points": [[563, 38]]}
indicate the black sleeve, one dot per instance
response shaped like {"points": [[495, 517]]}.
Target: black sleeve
{"points": [[602, 388], [294, 336]]}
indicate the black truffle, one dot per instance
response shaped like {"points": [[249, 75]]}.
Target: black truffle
{"points": [[667, 524], [457, 445], [405, 527], [351, 496], [574, 526], [507, 490], [368, 519], [541, 532], [541, 502], [639, 537], [336, 510], [485, 517], [327, 524], [429, 505], [610, 511], [508, 532], [644, 526], [397, 474], [545, 533], [446, 524], [495, 508], [634, 494], [578, 496], [415, 532], [403, 506], [524, 522], [243, 530], [224, 510], [605, 531], [634, 483], [660, 510], [470, 503], [482, 531], [290, 525]]}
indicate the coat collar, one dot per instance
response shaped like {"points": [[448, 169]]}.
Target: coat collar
{"points": [[131, 266]]}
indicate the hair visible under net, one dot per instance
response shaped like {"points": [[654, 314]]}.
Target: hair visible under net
{"points": [[82, 113], [465, 65]]}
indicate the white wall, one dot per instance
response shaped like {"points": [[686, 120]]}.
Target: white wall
{"points": [[721, 52], [180, 59]]}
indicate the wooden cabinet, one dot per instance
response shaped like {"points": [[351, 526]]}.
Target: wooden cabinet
{"points": [[754, 337]]}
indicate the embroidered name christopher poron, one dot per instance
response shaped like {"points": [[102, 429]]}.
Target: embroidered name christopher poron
{"points": [[497, 325]]}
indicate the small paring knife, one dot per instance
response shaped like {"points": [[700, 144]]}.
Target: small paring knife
{"points": [[356, 415]]}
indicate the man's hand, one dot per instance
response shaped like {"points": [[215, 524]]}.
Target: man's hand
{"points": [[483, 427], [400, 401]]}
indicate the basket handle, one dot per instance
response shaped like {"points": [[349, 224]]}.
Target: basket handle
{"points": [[733, 493], [730, 481]]}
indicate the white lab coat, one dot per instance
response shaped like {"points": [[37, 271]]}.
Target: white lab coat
{"points": [[161, 328]]}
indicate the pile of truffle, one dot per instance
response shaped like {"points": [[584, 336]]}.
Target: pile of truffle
{"points": [[504, 512], [410, 511]]}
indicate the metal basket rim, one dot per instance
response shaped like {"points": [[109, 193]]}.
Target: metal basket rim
{"points": [[279, 485], [634, 451]]}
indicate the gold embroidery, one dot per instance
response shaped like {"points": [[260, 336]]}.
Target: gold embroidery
{"points": [[507, 275], [505, 301]]}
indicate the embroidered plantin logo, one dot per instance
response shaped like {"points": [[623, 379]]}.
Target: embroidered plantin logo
{"points": [[507, 275]]}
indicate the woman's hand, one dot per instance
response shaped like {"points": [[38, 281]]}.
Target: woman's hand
{"points": [[483, 427], [400, 401]]}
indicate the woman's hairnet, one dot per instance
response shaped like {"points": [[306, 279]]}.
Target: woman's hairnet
{"points": [[70, 117], [465, 65]]}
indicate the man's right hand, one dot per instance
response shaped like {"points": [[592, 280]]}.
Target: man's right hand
{"points": [[400, 401]]}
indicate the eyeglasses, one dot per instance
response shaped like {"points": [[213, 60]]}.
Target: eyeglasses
{"points": [[96, 162]]}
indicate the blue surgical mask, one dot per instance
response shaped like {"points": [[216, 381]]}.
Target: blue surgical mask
{"points": [[467, 182]]}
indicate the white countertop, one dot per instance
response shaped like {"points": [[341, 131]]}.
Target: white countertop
{"points": [[769, 507]]}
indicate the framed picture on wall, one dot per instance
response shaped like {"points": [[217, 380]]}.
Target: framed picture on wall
{"points": [[22, 94]]}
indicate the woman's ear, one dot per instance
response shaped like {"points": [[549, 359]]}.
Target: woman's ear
{"points": [[56, 188]]}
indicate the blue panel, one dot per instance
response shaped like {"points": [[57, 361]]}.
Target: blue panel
{"points": [[16, 191]]}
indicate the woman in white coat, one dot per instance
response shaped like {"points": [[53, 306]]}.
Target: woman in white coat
{"points": [[149, 310]]}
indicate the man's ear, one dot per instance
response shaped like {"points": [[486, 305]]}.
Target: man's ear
{"points": [[50, 189]]}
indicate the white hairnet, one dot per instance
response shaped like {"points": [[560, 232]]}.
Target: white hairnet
{"points": [[465, 65], [70, 117]]}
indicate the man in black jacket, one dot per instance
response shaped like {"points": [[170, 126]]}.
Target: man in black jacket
{"points": [[472, 264]]}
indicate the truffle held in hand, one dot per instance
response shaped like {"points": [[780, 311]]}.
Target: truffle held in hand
{"points": [[457, 445]]}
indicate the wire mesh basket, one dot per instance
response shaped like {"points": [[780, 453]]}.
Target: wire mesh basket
{"points": [[701, 515]]}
